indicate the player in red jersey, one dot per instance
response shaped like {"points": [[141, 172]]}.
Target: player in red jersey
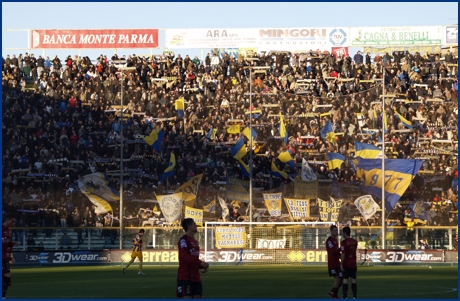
{"points": [[333, 260], [7, 247], [188, 276], [348, 262]]}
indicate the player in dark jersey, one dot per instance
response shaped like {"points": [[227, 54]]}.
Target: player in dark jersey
{"points": [[348, 262], [333, 261], [188, 276], [7, 247], [137, 252]]}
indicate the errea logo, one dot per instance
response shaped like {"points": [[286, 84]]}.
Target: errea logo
{"points": [[126, 257], [296, 256]]}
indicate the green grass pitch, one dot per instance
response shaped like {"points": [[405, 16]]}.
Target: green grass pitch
{"points": [[231, 282]]}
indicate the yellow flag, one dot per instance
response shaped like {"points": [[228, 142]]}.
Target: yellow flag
{"points": [[234, 129]]}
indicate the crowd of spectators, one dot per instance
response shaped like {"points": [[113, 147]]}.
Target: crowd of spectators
{"points": [[61, 121]]}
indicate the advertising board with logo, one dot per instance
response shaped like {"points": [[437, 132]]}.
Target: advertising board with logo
{"points": [[268, 251], [302, 38], [451, 34], [210, 38], [63, 257], [97, 38], [386, 36], [265, 39]]}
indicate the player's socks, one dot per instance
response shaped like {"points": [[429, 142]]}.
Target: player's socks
{"points": [[354, 289], [335, 292], [5, 284], [345, 290]]}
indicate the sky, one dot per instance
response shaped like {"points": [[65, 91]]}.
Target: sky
{"points": [[163, 15]]}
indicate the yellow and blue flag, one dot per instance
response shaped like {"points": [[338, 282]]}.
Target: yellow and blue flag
{"points": [[404, 121], [180, 106], [286, 157], [239, 150], [283, 131], [398, 176], [96, 187], [211, 134], [245, 170], [155, 138], [334, 160], [367, 151], [248, 132], [152, 137], [169, 171], [327, 132], [278, 173], [234, 129]]}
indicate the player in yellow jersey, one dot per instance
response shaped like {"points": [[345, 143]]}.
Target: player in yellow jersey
{"points": [[137, 252]]}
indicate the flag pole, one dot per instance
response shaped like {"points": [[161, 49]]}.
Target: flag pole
{"points": [[383, 161]]}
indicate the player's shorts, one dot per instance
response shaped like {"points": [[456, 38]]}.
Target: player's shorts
{"points": [[350, 273], [335, 272], [188, 288], [5, 266], [136, 254]]}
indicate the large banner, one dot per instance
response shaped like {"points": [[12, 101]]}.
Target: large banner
{"points": [[273, 202], [298, 209], [196, 214], [233, 256], [367, 206], [305, 189], [300, 39], [94, 38], [230, 237], [286, 39], [190, 189], [171, 206], [450, 34], [329, 210], [271, 243], [210, 38], [403, 35]]}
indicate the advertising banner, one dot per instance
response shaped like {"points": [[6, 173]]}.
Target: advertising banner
{"points": [[230, 237], [266, 39], [234, 255], [450, 34], [337, 51], [60, 257], [302, 39], [98, 38], [386, 36], [451, 256], [211, 38]]}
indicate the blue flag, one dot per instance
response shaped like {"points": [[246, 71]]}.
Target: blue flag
{"points": [[418, 210], [398, 176]]}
